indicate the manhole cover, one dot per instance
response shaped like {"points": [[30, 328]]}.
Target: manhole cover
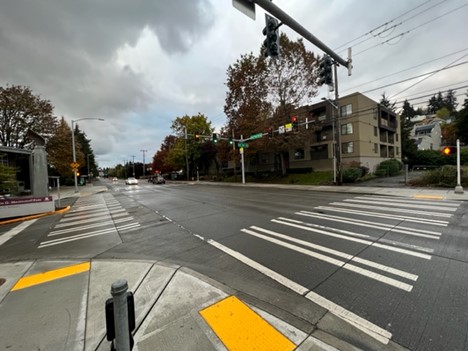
{"points": [[2, 281]]}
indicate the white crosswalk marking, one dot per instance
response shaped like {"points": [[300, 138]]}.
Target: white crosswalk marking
{"points": [[92, 216], [388, 222]]}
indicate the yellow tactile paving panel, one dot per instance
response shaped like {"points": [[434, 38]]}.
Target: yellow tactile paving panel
{"points": [[55, 274], [240, 328], [432, 197]]}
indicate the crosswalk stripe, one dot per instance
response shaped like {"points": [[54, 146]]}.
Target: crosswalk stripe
{"points": [[341, 254], [389, 209], [90, 226], [367, 327], [402, 205], [303, 225], [76, 237], [381, 226], [435, 222], [445, 203], [335, 262]]}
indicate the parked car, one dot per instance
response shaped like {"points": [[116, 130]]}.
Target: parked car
{"points": [[159, 180], [131, 181], [114, 180]]}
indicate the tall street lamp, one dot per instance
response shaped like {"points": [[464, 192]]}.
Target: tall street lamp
{"points": [[73, 146]]}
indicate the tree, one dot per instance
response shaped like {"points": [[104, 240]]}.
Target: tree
{"points": [[408, 111], [384, 101], [84, 152], [22, 111], [264, 93], [192, 126], [408, 147], [160, 159], [450, 101], [461, 121], [435, 103], [59, 150]]}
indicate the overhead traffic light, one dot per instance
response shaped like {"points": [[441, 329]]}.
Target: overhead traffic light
{"points": [[197, 136], [449, 150], [270, 132], [325, 71], [272, 37], [230, 141], [295, 123], [214, 138]]}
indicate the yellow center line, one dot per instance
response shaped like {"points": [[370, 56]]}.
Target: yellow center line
{"points": [[55, 274], [240, 328]]}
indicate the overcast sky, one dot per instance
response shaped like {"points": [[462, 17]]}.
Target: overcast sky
{"points": [[140, 64]]}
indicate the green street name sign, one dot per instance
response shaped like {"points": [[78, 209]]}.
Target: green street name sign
{"points": [[245, 145], [256, 136]]}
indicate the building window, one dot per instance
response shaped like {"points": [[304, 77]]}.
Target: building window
{"points": [[396, 137], [319, 152], [376, 133], [299, 154], [346, 129], [397, 150], [376, 148], [346, 110], [347, 148]]}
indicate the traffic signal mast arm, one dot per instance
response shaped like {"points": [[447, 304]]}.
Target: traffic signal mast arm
{"points": [[270, 7]]}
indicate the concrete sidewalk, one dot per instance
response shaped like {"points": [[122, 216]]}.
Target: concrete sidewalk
{"points": [[176, 309]]}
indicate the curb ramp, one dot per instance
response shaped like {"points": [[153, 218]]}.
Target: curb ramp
{"points": [[59, 305]]}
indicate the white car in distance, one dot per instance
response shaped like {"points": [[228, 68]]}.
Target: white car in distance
{"points": [[131, 181]]}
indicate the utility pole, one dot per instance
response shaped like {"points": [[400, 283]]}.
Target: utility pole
{"points": [[186, 154], [133, 163], [338, 129], [144, 164]]}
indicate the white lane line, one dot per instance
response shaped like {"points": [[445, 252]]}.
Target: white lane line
{"points": [[367, 327], [367, 224], [349, 257], [402, 204], [362, 324], [76, 237], [383, 208], [342, 264], [445, 203], [90, 226], [381, 215], [16, 230], [357, 240]]}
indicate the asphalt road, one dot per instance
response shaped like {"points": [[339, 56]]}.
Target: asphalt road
{"points": [[399, 263]]}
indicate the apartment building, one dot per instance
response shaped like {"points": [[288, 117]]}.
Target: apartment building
{"points": [[368, 132]]}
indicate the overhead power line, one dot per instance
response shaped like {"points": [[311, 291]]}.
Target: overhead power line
{"points": [[382, 25], [406, 69], [400, 36], [415, 77], [450, 65]]}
